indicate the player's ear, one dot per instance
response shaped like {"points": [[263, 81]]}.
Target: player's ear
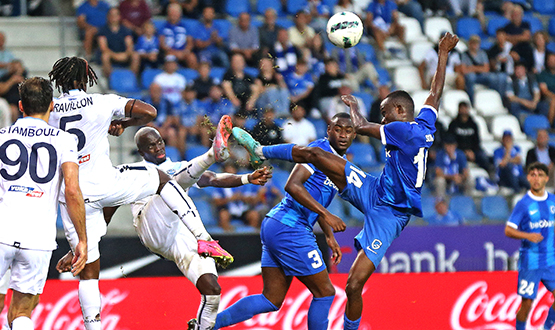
{"points": [[50, 106], [20, 106]]}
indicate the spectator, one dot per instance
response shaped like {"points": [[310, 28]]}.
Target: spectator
{"points": [[343, 5], [355, 67], [300, 84], [383, 20], [468, 6], [540, 40], [244, 39], [91, 16], [171, 82], [543, 153], [454, 77], [499, 55], [134, 15], [209, 44], [443, 216], [239, 87], [546, 80], [475, 66], [216, 106], [266, 129], [465, 131], [518, 34], [148, 47], [6, 56], [203, 83], [268, 32], [411, 8], [318, 55], [300, 34], [175, 39], [298, 129], [272, 89], [508, 163], [163, 106], [236, 204], [451, 170], [337, 105], [320, 13], [191, 8], [285, 53], [434, 7], [9, 86], [116, 45], [523, 93], [328, 85]]}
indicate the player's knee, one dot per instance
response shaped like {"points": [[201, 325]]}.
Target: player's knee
{"points": [[208, 284], [353, 288]]}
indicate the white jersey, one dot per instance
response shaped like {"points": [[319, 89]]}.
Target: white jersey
{"points": [[88, 116], [31, 155]]}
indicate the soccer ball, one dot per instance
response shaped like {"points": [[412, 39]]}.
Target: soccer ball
{"points": [[344, 29]]}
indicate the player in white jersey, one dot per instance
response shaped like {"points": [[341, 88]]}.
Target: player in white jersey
{"points": [[35, 159], [91, 117], [163, 234]]}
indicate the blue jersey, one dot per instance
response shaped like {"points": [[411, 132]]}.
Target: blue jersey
{"points": [[146, 46], [406, 151], [299, 84], [319, 186], [175, 36], [534, 214], [95, 16]]}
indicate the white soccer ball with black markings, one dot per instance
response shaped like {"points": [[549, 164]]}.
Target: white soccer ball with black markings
{"points": [[345, 29]]}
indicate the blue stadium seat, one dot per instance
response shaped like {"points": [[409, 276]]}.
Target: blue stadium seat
{"points": [[236, 7], [368, 50], [544, 7], [192, 25], [534, 122], [194, 151], [551, 46], [158, 24], [331, 3], [189, 74], [148, 76], [321, 127], [466, 208], [495, 208], [223, 26], [428, 206], [284, 22], [383, 76], [293, 6], [250, 123], [253, 72], [468, 26], [124, 81], [206, 212], [496, 23], [262, 5], [218, 72], [535, 23], [363, 155], [486, 44], [551, 27], [173, 153]]}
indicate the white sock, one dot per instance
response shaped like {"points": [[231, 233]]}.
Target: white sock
{"points": [[207, 312], [192, 173], [6, 326], [258, 152], [89, 298], [178, 201], [22, 323]]}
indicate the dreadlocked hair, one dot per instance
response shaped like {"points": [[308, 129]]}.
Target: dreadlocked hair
{"points": [[72, 72]]}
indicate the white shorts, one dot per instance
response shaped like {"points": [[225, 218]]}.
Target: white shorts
{"points": [[5, 281], [29, 268], [132, 183], [163, 233]]}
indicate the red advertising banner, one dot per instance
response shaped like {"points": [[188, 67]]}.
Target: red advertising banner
{"points": [[437, 301]]}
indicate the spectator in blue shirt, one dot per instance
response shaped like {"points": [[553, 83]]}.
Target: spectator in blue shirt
{"points": [[300, 84], [162, 105], [215, 107], [451, 169], [523, 93], [508, 162], [148, 47], [285, 53], [383, 20], [91, 16], [116, 44], [443, 216], [320, 13], [209, 44], [175, 39]]}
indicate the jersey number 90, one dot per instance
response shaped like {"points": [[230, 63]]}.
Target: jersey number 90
{"points": [[26, 161]]}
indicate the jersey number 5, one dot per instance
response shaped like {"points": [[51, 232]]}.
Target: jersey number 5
{"points": [[24, 160], [75, 131]]}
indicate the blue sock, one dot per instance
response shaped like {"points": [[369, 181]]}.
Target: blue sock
{"points": [[279, 151], [550, 319], [243, 310], [318, 313], [350, 325], [520, 325]]}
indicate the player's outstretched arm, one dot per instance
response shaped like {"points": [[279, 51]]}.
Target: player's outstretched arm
{"points": [[362, 126], [518, 234], [446, 44], [137, 113], [228, 180], [76, 210]]}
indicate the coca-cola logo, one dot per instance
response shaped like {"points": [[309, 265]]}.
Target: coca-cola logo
{"points": [[477, 308], [65, 313]]}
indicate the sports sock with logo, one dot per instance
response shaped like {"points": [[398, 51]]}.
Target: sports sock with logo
{"points": [[548, 324], [318, 313], [207, 312], [194, 169], [243, 310], [279, 151], [350, 325], [89, 298]]}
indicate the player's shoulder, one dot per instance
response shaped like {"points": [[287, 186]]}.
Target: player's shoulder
{"points": [[323, 143]]}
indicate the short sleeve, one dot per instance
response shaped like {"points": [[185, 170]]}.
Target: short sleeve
{"points": [[395, 133], [67, 148], [117, 104], [518, 214], [427, 116], [81, 10]]}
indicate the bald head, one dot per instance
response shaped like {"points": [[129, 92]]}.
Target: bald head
{"points": [[142, 134], [151, 146]]}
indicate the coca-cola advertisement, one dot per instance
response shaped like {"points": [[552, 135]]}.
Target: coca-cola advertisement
{"points": [[438, 301]]}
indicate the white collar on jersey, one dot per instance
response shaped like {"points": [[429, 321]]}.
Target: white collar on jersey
{"points": [[537, 198], [73, 92]]}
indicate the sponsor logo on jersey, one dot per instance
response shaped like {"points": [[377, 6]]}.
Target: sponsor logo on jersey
{"points": [[328, 182], [541, 224], [28, 191], [73, 105], [429, 138], [84, 158]]}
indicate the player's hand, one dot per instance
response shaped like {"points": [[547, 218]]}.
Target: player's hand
{"points": [[64, 264], [260, 176], [535, 237], [79, 259], [335, 249], [448, 42], [334, 222], [349, 100], [116, 128]]}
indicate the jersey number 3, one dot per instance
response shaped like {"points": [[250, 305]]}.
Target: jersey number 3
{"points": [[24, 160]]}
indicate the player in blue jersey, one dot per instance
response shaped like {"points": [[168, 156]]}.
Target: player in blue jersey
{"points": [[388, 200], [532, 222], [288, 244]]}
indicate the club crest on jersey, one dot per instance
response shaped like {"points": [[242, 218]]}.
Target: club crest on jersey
{"points": [[28, 191]]}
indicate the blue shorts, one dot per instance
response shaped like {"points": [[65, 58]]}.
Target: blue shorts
{"points": [[382, 223], [529, 280], [292, 249]]}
